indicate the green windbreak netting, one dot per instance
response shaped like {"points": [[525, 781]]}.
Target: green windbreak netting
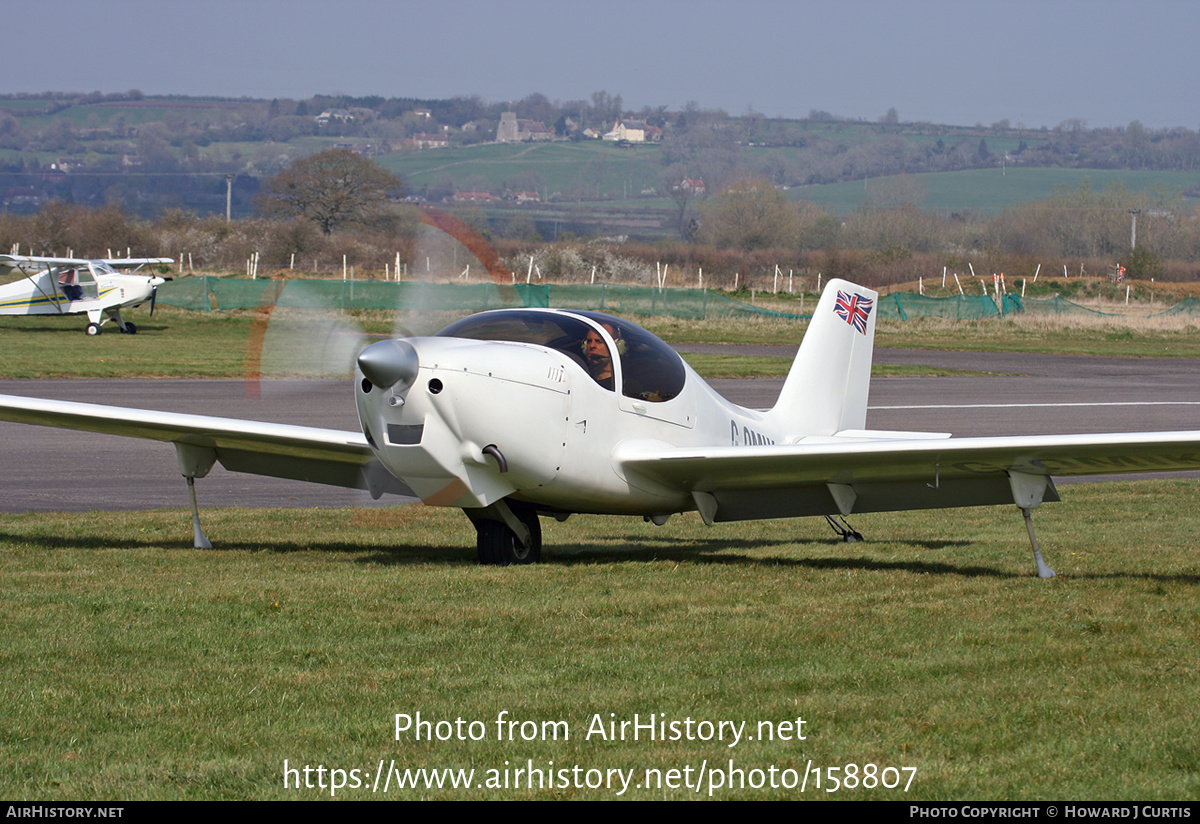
{"points": [[1058, 306], [906, 305], [646, 300], [206, 293], [228, 293], [1187, 306], [186, 293], [412, 295]]}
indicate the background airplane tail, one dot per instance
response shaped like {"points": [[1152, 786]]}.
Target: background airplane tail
{"points": [[826, 389]]}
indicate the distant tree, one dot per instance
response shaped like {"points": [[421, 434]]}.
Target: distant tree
{"points": [[1141, 263], [330, 188], [536, 107], [681, 188], [749, 214], [1138, 141], [605, 108]]}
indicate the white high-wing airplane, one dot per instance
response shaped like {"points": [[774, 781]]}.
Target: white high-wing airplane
{"points": [[71, 286], [518, 413]]}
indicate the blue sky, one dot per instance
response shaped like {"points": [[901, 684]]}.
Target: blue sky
{"points": [[1108, 62]]}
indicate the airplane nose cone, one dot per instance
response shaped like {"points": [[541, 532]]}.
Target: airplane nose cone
{"points": [[389, 363]]}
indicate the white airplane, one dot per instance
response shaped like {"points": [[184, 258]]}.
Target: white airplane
{"points": [[71, 286], [517, 413]]}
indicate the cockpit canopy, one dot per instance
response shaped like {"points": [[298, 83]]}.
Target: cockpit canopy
{"points": [[99, 267], [648, 369]]}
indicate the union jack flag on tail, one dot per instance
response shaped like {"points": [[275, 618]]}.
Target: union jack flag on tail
{"points": [[854, 309]]}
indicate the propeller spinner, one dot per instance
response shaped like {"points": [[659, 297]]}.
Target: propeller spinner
{"points": [[390, 364]]}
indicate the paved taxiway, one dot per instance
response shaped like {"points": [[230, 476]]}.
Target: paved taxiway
{"points": [[44, 469]]}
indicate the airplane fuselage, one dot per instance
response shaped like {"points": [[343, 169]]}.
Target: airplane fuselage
{"points": [[37, 296], [552, 427], [69, 286]]}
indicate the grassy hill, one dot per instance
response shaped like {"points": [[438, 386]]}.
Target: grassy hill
{"points": [[179, 142], [991, 191], [598, 170]]}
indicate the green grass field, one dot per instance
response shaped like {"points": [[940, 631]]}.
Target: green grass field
{"points": [[601, 169], [137, 667], [991, 191]]}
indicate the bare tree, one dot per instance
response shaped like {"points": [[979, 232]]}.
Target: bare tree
{"points": [[331, 188], [750, 214]]}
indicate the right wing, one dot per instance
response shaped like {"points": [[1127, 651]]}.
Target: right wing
{"points": [[302, 453], [875, 472]]}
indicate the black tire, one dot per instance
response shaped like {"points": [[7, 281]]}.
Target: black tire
{"points": [[93, 329], [130, 329], [498, 545]]}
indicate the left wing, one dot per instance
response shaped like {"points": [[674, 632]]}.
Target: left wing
{"points": [[24, 262], [325, 456], [859, 474]]}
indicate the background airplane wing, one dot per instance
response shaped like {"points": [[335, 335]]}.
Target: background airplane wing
{"points": [[325, 456], [30, 264], [883, 475]]}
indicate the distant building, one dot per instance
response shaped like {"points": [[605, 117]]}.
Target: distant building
{"points": [[335, 116], [634, 131], [534, 130], [425, 140], [506, 132], [475, 197], [512, 130]]}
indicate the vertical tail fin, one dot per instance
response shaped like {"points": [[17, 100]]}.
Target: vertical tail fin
{"points": [[826, 389]]}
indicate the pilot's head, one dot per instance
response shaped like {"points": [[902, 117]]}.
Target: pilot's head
{"points": [[599, 359]]}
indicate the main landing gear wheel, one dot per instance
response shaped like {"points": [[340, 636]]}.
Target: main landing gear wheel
{"points": [[93, 329], [499, 546], [129, 329]]}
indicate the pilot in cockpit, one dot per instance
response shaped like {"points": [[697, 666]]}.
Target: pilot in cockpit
{"points": [[68, 281], [599, 359]]}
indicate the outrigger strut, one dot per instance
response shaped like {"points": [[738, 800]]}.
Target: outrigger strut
{"points": [[195, 462], [1028, 490]]}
